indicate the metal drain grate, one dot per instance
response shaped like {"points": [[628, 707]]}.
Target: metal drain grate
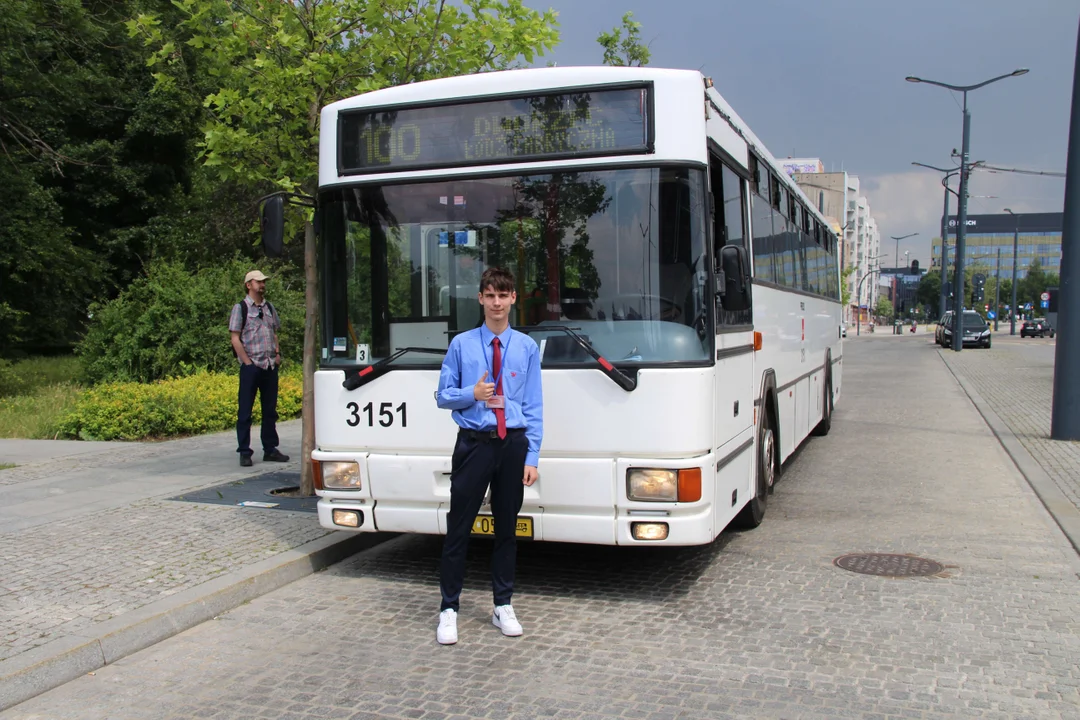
{"points": [[887, 565]]}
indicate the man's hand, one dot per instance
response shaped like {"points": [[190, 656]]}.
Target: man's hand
{"points": [[483, 390], [531, 475]]}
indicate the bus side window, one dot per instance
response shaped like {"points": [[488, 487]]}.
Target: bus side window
{"points": [[729, 223]]}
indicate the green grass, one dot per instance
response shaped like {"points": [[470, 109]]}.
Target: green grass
{"points": [[35, 416], [7, 466], [35, 393], [24, 377]]}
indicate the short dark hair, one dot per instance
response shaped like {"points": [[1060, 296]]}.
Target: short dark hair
{"points": [[498, 279]]}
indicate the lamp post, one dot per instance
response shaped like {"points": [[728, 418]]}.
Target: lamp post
{"points": [[944, 230], [961, 220], [1016, 239], [997, 289], [896, 258], [858, 298]]}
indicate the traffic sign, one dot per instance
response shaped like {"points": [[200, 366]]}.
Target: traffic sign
{"points": [[1045, 303], [1045, 297], [991, 314]]}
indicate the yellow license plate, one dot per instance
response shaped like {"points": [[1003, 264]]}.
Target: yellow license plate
{"points": [[485, 525]]}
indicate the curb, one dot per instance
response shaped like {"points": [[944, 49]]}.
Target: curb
{"points": [[1065, 514], [64, 659]]}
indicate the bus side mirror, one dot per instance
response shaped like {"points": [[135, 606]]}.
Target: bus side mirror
{"points": [[272, 224], [733, 280]]}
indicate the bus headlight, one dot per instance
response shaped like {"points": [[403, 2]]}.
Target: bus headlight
{"points": [[647, 485], [341, 475]]}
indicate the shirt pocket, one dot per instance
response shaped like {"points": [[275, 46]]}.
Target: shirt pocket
{"points": [[514, 384]]}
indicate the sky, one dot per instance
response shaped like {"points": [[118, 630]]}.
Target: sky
{"points": [[825, 79]]}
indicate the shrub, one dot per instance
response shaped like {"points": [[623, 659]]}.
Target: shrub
{"points": [[173, 322], [199, 403]]}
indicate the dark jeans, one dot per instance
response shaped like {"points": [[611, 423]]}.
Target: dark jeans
{"points": [[475, 465], [254, 379]]}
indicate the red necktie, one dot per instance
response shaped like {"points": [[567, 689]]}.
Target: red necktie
{"points": [[496, 367]]}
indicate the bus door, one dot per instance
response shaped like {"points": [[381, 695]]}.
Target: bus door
{"points": [[734, 377]]}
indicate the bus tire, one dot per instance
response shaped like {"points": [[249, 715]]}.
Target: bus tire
{"points": [[823, 427], [754, 511]]}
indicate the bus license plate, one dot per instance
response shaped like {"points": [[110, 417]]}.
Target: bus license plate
{"points": [[485, 525]]}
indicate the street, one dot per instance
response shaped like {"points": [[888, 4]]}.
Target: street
{"points": [[757, 624]]}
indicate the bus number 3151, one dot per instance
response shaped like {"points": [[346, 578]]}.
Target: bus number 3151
{"points": [[386, 414]]}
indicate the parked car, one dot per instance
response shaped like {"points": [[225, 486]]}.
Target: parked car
{"points": [[976, 331], [939, 331], [1036, 327]]}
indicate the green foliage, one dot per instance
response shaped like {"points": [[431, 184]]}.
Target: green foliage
{"points": [[26, 376], [929, 293], [845, 291], [88, 158], [173, 322], [884, 308], [37, 414], [624, 50], [200, 403]]}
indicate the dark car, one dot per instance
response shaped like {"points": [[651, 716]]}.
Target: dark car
{"points": [[939, 331], [976, 331], [1036, 327]]}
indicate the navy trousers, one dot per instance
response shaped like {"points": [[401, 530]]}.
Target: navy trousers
{"points": [[265, 382], [476, 464]]}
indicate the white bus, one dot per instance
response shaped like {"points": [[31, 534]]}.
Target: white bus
{"points": [[683, 292]]}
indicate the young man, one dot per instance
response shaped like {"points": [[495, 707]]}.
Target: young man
{"points": [[253, 326], [491, 380]]}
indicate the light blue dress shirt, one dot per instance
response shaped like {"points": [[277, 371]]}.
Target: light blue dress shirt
{"points": [[469, 356]]}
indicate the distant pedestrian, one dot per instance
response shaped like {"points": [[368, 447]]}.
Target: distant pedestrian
{"points": [[254, 326], [491, 380]]}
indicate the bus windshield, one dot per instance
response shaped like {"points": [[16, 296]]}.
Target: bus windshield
{"points": [[619, 255]]}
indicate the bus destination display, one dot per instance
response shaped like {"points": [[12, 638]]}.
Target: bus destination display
{"points": [[579, 124]]}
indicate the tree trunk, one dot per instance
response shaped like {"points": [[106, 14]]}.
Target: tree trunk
{"points": [[307, 484]]}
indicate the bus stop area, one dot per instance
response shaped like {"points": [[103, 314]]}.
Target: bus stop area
{"points": [[906, 567]]}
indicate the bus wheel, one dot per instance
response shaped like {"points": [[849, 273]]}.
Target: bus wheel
{"points": [[825, 425], [754, 511]]}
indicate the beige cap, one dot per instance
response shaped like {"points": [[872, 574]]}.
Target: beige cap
{"points": [[254, 275]]}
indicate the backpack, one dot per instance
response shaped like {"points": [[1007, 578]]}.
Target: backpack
{"points": [[243, 319]]}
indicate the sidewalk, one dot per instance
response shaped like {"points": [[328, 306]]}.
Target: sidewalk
{"points": [[96, 560], [1012, 386]]}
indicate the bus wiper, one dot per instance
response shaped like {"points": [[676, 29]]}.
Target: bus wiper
{"points": [[620, 378], [382, 367]]}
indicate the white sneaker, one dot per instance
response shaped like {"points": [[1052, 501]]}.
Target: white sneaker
{"points": [[447, 632], [505, 619]]}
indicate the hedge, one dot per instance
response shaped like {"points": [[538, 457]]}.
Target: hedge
{"points": [[196, 404]]}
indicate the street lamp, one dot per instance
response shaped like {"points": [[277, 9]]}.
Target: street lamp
{"points": [[944, 231], [1016, 238], [961, 220], [896, 259]]}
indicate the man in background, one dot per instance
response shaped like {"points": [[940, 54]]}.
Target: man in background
{"points": [[254, 326]]}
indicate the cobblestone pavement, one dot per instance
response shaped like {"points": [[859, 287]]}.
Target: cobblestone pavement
{"points": [[759, 624], [63, 576], [1016, 378]]}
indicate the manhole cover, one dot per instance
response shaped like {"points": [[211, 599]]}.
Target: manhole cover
{"points": [[887, 565]]}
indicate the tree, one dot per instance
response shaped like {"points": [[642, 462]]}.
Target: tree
{"points": [[624, 50], [89, 158], [929, 292], [845, 290], [884, 308], [276, 64]]}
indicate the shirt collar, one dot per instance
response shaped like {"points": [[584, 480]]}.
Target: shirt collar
{"points": [[488, 336]]}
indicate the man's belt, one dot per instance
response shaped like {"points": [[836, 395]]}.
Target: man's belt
{"points": [[487, 435]]}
